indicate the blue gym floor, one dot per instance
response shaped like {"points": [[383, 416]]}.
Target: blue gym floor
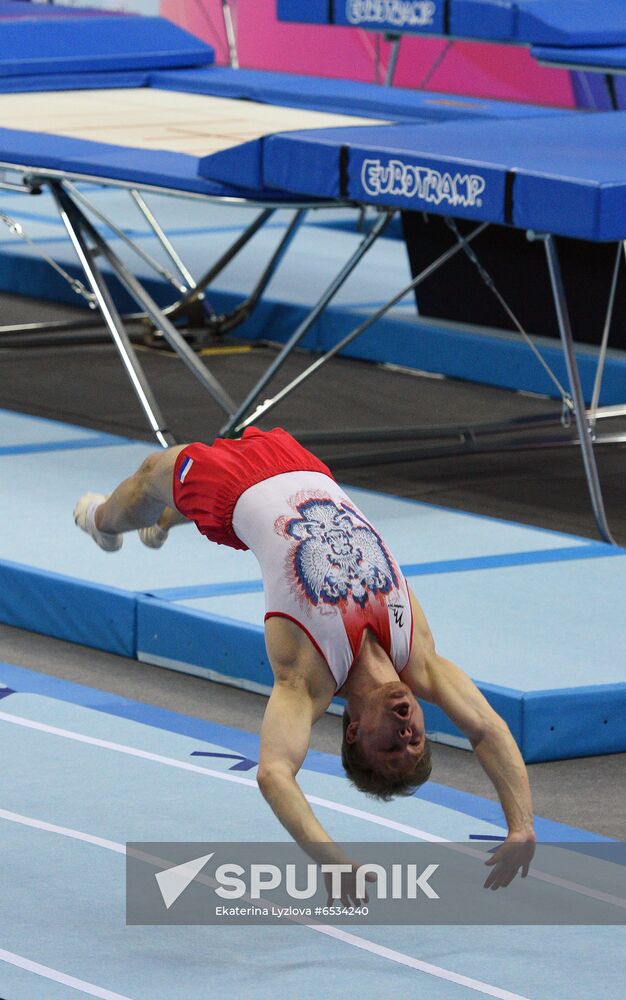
{"points": [[85, 771]]}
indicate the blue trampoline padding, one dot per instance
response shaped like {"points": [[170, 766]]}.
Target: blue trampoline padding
{"points": [[548, 725], [341, 96], [610, 58], [569, 22], [177, 171], [412, 17], [565, 176], [305, 11], [95, 44], [66, 608], [18, 8], [551, 22], [73, 81]]}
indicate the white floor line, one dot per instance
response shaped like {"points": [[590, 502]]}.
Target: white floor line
{"points": [[415, 963], [64, 831], [59, 977], [335, 932], [313, 799]]}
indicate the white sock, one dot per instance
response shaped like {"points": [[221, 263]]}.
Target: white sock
{"points": [[91, 520], [154, 537]]}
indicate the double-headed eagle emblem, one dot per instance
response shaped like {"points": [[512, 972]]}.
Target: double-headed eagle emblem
{"points": [[338, 555]]}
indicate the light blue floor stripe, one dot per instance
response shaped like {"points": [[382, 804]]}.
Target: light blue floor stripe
{"points": [[72, 444], [597, 550], [208, 590]]}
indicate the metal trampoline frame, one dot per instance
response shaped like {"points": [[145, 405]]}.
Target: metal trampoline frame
{"points": [[578, 426]]}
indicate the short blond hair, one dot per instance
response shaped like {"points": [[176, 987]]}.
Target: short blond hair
{"points": [[381, 786]]}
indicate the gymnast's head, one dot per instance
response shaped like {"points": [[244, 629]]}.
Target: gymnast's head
{"points": [[385, 751]]}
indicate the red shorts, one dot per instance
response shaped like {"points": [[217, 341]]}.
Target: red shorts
{"points": [[209, 479]]}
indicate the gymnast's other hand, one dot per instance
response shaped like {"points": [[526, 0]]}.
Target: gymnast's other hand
{"points": [[516, 852]]}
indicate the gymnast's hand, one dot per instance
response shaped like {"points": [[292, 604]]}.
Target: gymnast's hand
{"points": [[516, 852], [348, 896]]}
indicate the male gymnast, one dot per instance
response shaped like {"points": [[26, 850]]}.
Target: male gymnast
{"points": [[340, 620]]}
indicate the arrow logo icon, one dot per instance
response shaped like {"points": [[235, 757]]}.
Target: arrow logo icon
{"points": [[173, 881], [243, 763]]}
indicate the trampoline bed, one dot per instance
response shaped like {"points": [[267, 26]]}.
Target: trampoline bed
{"points": [[150, 118]]}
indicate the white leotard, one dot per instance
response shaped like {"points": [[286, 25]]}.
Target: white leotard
{"points": [[325, 567]]}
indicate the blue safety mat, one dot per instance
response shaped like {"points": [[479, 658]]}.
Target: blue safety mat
{"points": [[552, 22], [565, 175], [91, 45], [82, 157]]}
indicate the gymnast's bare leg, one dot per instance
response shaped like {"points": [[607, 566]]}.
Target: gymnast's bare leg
{"points": [[143, 503]]}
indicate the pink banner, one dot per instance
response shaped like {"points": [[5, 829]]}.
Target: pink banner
{"points": [[477, 69]]}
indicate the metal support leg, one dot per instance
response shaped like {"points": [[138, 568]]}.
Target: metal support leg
{"points": [[612, 91], [604, 343], [125, 238], [237, 422], [393, 58], [231, 36], [171, 334], [224, 324], [197, 292], [580, 413], [163, 239], [115, 325], [219, 325], [77, 221]]}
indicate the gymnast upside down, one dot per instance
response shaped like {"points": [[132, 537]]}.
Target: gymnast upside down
{"points": [[340, 621]]}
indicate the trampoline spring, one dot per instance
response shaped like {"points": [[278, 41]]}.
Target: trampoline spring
{"points": [[16, 229]]}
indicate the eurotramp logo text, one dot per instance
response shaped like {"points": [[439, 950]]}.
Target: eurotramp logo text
{"points": [[412, 181], [395, 13]]}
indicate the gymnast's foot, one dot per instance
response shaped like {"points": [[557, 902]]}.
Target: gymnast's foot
{"points": [[154, 537], [84, 517]]}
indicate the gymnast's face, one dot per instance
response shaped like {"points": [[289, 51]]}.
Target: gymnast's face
{"points": [[390, 730]]}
